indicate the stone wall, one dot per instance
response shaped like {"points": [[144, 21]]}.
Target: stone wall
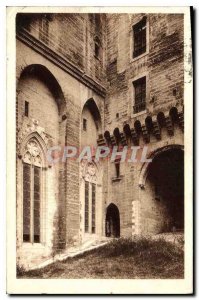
{"points": [[72, 36], [62, 214], [162, 64], [66, 50]]}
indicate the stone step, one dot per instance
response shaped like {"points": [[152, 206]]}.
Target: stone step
{"points": [[73, 251]]}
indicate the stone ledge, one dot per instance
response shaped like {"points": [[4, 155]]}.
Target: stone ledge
{"points": [[70, 253], [115, 179]]}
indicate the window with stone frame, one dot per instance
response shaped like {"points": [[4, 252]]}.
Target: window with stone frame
{"points": [[86, 212], [26, 109], [139, 38], [90, 205], [139, 95], [32, 174], [93, 199], [117, 167], [84, 124]]}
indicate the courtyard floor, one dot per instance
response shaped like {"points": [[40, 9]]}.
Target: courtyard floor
{"points": [[138, 258]]}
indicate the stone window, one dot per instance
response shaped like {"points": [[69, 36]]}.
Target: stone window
{"points": [[84, 124], [117, 168], [90, 203], [139, 95], [86, 206], [26, 110], [26, 201], [32, 174], [139, 38], [93, 186]]}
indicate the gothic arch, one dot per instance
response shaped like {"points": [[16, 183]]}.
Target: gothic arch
{"points": [[43, 73], [36, 133], [145, 166], [94, 110], [33, 143], [33, 182]]}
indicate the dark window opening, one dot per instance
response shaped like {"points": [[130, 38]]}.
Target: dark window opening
{"points": [[139, 38], [36, 216], [26, 238], [140, 94], [36, 238], [26, 202], [117, 169], [84, 124], [93, 207], [31, 204], [86, 206], [26, 108], [90, 207]]}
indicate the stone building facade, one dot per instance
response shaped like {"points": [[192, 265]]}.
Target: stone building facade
{"points": [[97, 80]]}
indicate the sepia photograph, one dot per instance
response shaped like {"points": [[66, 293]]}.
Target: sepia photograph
{"points": [[100, 179]]}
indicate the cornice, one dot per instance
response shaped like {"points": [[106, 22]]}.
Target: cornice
{"points": [[59, 61]]}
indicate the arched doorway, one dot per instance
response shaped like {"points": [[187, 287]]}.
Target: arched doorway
{"points": [[112, 221], [163, 195]]}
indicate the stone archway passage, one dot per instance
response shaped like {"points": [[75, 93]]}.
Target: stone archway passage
{"points": [[166, 181], [112, 221]]}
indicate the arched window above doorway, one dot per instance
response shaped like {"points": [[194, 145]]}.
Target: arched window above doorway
{"points": [[91, 124], [41, 73]]}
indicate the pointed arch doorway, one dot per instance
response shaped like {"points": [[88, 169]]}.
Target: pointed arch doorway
{"points": [[112, 221], [162, 192]]}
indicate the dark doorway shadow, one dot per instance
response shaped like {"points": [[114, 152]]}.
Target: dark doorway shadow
{"points": [[112, 221]]}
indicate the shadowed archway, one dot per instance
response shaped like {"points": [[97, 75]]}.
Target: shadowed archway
{"points": [[112, 221], [166, 173], [162, 195]]}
